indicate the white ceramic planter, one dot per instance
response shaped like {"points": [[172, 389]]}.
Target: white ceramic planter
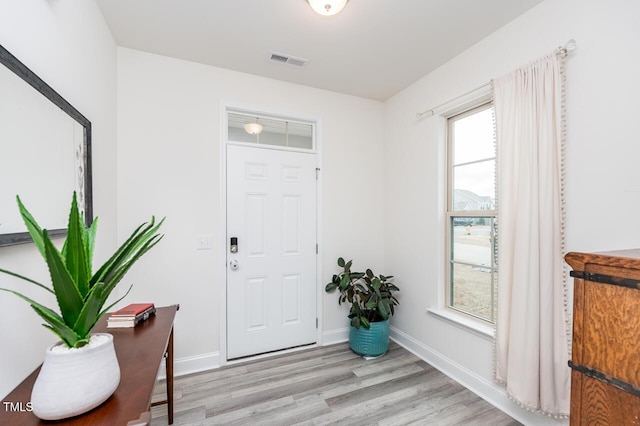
{"points": [[74, 381]]}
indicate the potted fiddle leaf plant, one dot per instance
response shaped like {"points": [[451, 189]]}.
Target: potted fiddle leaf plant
{"points": [[81, 371], [372, 304]]}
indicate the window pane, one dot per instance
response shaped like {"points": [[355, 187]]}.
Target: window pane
{"points": [[473, 137], [472, 290], [472, 240], [236, 130], [300, 135], [473, 265], [275, 132], [474, 186]]}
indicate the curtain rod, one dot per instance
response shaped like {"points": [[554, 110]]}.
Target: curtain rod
{"points": [[431, 111], [568, 47]]}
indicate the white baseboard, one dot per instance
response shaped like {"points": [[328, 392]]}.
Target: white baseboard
{"points": [[192, 364], [338, 335], [487, 390]]}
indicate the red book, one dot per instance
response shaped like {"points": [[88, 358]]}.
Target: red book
{"points": [[132, 310]]}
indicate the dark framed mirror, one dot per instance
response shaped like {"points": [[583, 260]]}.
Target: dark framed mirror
{"points": [[45, 154]]}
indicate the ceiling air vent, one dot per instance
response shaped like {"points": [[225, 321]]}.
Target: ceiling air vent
{"points": [[288, 59]]}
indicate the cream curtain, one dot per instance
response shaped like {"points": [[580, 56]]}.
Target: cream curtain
{"points": [[531, 330]]}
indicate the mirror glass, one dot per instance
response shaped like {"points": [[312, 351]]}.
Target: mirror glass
{"points": [[45, 145]]}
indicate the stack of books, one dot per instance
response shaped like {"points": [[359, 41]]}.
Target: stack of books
{"points": [[131, 315]]}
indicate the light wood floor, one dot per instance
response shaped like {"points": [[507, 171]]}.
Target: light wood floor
{"points": [[326, 386]]}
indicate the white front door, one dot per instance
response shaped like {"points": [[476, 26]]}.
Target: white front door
{"points": [[271, 278]]}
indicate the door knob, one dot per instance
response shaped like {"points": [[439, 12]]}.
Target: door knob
{"points": [[233, 265]]}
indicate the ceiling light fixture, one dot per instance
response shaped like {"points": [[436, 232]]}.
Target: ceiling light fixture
{"points": [[253, 128], [327, 7]]}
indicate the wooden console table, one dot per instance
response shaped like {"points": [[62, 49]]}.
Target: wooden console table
{"points": [[140, 351]]}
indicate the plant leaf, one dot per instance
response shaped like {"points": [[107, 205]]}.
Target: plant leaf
{"points": [[32, 226], [90, 241], [137, 241], [108, 308], [347, 267], [106, 288], [344, 282], [340, 262], [383, 308], [329, 288], [114, 276], [118, 255], [69, 299], [92, 310], [55, 321], [355, 322], [77, 342], [26, 279], [74, 252], [365, 322]]}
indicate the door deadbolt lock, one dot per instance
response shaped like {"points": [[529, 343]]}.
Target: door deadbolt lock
{"points": [[233, 247]]}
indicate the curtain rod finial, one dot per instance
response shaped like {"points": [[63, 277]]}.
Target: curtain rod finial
{"points": [[570, 45]]}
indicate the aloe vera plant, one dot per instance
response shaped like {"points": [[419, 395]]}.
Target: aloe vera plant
{"points": [[81, 294]]}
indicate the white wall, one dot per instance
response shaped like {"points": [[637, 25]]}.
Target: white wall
{"points": [[602, 185], [69, 46], [169, 164]]}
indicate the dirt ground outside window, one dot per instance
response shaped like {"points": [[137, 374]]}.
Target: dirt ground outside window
{"points": [[472, 285]]}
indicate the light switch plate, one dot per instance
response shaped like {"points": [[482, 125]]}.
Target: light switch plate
{"points": [[204, 242]]}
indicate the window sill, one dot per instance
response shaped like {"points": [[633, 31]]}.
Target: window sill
{"points": [[476, 327]]}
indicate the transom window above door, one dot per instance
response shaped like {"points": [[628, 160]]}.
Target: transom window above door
{"points": [[273, 131]]}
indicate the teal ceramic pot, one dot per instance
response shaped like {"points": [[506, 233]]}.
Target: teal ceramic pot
{"points": [[372, 342]]}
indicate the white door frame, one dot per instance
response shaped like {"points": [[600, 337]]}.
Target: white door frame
{"points": [[222, 243]]}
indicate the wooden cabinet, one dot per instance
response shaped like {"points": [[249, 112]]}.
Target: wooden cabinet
{"points": [[605, 377]]}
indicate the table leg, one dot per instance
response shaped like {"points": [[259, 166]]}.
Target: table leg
{"points": [[169, 370]]}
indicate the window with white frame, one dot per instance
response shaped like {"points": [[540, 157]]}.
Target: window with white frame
{"points": [[471, 214], [265, 130]]}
